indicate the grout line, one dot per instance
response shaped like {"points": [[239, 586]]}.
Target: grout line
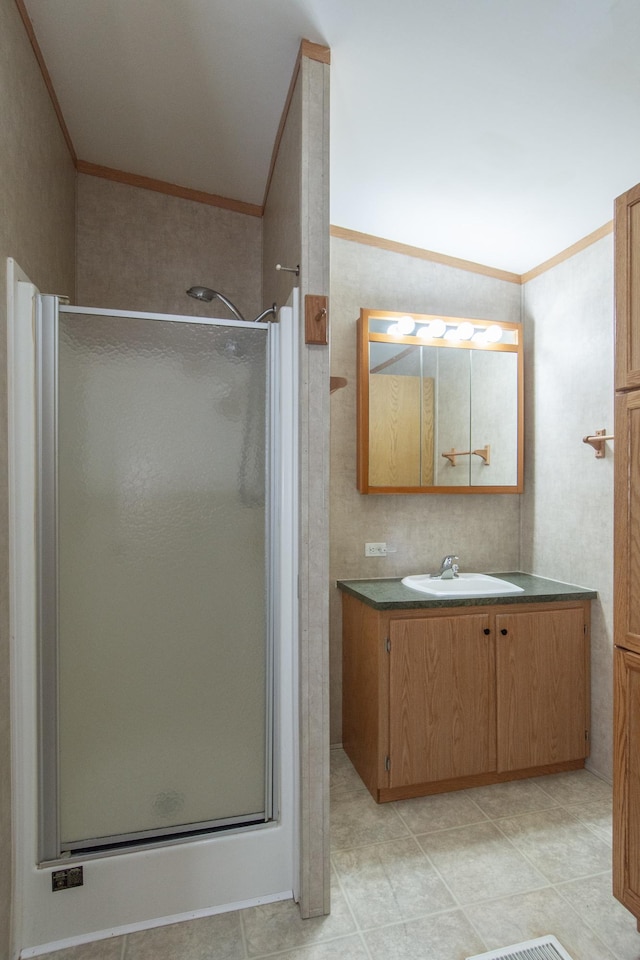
{"points": [[358, 929], [605, 942], [243, 933], [294, 948]]}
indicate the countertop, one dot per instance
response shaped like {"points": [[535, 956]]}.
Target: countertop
{"points": [[390, 594]]}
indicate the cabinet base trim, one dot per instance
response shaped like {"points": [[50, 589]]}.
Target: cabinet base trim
{"points": [[387, 794]]}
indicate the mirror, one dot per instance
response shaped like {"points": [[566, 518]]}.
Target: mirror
{"points": [[440, 404]]}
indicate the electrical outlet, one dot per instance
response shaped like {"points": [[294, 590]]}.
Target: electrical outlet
{"points": [[375, 549], [65, 879]]}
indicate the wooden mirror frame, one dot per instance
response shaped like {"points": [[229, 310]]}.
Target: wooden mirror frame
{"points": [[365, 336]]}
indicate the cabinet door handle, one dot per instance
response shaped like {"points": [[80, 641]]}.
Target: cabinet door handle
{"points": [[504, 632], [486, 631]]}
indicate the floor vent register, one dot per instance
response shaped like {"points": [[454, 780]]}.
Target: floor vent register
{"points": [[544, 948]]}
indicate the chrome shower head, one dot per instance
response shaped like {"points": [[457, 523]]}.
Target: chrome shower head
{"points": [[202, 293], [207, 294]]}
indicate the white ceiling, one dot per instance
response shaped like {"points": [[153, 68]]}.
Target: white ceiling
{"points": [[498, 131]]}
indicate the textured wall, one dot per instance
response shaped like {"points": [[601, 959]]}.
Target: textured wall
{"points": [[482, 530], [567, 508], [140, 250], [37, 203], [296, 231], [281, 226]]}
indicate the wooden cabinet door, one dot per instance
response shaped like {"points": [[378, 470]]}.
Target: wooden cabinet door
{"points": [[542, 689], [441, 699], [627, 287], [626, 781], [626, 555]]}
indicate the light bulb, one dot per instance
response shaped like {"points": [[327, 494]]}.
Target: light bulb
{"points": [[406, 326], [437, 328], [494, 333], [393, 330], [465, 330]]}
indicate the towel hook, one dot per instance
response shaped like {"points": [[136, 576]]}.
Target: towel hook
{"points": [[597, 441]]}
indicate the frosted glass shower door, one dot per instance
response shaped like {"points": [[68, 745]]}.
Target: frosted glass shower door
{"points": [[163, 662]]}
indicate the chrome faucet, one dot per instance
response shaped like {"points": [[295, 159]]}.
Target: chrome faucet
{"points": [[448, 568]]}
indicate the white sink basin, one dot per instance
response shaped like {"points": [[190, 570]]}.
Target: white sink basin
{"points": [[464, 585]]}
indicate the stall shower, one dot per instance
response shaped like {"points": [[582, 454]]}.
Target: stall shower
{"points": [[155, 522]]}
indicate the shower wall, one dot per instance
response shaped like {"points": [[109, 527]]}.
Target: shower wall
{"points": [[140, 250]]}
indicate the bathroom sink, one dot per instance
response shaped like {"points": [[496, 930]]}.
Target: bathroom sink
{"points": [[464, 585]]}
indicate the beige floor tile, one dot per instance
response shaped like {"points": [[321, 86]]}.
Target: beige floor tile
{"points": [[344, 781], [207, 938], [478, 862], [558, 844], [359, 820], [536, 914], [448, 936], [275, 927], [593, 901], [597, 816], [574, 786], [510, 799], [389, 882], [97, 950], [345, 948], [439, 812]]}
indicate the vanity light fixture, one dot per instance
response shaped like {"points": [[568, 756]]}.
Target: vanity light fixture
{"points": [[448, 330]]}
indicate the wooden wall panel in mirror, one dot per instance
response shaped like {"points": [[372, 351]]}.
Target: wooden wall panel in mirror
{"points": [[440, 404]]}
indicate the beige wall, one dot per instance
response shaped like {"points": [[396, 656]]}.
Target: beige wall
{"points": [[281, 221], [296, 231], [567, 507], [140, 250], [562, 526], [37, 203], [482, 530]]}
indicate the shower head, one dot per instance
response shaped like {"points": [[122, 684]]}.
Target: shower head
{"points": [[207, 294], [202, 293]]}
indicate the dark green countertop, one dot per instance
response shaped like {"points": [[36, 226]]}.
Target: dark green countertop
{"points": [[390, 594]]}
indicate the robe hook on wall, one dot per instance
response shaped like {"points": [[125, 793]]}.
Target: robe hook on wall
{"points": [[295, 270]]}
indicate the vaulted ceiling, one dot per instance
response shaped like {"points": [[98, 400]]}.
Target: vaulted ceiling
{"points": [[498, 131]]}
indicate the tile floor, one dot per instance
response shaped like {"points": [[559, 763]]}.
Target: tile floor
{"points": [[436, 878]]}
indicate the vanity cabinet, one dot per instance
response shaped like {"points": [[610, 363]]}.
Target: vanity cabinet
{"points": [[438, 699], [441, 698], [542, 677]]}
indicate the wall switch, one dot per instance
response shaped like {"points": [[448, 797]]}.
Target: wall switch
{"points": [[375, 549]]}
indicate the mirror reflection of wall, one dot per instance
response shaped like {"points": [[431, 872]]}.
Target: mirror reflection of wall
{"points": [[439, 405], [494, 384]]}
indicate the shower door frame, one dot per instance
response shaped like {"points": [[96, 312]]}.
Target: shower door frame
{"points": [[48, 311], [128, 890]]}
